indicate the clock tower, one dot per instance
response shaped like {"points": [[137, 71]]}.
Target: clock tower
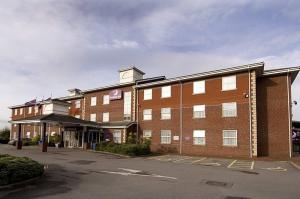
{"points": [[130, 74]]}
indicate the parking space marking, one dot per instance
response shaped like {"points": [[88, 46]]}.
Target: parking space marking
{"points": [[241, 164], [198, 160], [231, 163], [178, 160], [275, 169]]}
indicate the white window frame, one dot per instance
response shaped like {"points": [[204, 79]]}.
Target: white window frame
{"points": [[21, 111], [29, 109], [28, 134], [93, 117], [228, 112], [165, 113], [147, 114], [147, 134], [117, 136], [230, 137], [166, 92], [77, 104], [148, 94], [165, 137], [127, 104], [106, 99], [93, 101], [229, 83], [199, 137], [105, 117], [199, 111], [199, 87], [16, 111]]}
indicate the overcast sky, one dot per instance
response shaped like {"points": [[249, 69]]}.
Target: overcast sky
{"points": [[49, 46]]}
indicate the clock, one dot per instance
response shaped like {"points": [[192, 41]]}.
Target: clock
{"points": [[125, 75]]}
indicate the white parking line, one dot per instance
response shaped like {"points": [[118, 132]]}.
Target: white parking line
{"points": [[229, 166], [186, 158], [198, 160]]}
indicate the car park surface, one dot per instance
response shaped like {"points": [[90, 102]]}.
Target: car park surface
{"points": [[73, 173]]}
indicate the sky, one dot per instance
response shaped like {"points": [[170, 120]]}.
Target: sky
{"points": [[49, 46]]}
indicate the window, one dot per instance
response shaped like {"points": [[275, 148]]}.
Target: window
{"points": [[93, 101], [166, 113], [165, 137], [77, 104], [199, 87], [199, 111], [21, 111], [105, 117], [230, 138], [228, 83], [77, 116], [147, 134], [147, 114], [29, 110], [117, 136], [28, 135], [127, 105], [93, 117], [148, 94], [199, 137], [36, 109], [229, 109], [166, 92], [106, 99], [16, 111]]}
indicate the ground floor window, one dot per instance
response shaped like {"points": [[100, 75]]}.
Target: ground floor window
{"points": [[199, 137], [230, 137], [165, 137], [147, 134], [117, 136], [28, 135]]}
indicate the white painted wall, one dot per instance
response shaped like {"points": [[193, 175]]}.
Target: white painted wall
{"points": [[55, 108]]}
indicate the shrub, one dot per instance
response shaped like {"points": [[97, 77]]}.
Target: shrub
{"points": [[126, 149], [17, 169], [35, 140], [4, 135]]}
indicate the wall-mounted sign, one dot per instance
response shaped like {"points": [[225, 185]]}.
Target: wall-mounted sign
{"points": [[176, 137], [115, 94]]}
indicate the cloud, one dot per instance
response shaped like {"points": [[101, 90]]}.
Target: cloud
{"points": [[50, 46]]}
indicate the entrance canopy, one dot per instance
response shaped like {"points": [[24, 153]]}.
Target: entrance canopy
{"points": [[56, 119]]}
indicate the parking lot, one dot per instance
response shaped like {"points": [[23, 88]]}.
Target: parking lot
{"points": [[238, 164], [73, 173]]}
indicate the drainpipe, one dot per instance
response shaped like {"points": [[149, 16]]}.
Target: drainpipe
{"points": [[250, 113], [137, 111], [289, 110], [180, 109]]}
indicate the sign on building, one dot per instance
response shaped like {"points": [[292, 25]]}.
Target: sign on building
{"points": [[115, 94]]}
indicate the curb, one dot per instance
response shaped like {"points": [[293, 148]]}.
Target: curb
{"points": [[21, 183], [108, 153], [295, 165]]}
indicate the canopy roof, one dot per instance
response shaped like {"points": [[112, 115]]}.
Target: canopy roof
{"points": [[56, 119]]}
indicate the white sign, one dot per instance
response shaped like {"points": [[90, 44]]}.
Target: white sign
{"points": [[176, 137]]}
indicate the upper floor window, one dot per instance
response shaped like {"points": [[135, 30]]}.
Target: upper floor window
{"points": [[21, 111], [166, 92], [147, 114], [16, 111], [106, 99], [77, 104], [147, 94], [29, 110], [199, 87], [230, 137], [229, 83], [199, 111], [105, 117], [166, 113], [229, 109], [147, 134], [199, 137], [93, 101], [36, 109], [93, 117]]}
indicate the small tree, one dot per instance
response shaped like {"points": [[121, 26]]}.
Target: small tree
{"points": [[5, 134]]}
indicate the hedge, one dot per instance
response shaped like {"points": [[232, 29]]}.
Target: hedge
{"points": [[125, 149], [17, 169]]}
